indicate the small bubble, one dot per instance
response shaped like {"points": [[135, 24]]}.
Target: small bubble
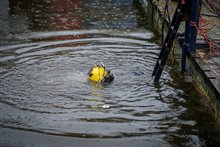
{"points": [[105, 106]]}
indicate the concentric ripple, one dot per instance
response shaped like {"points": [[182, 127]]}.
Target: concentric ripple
{"points": [[46, 89]]}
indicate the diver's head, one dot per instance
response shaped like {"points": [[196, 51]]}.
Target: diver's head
{"points": [[99, 74]]}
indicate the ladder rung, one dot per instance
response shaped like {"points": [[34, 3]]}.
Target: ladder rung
{"points": [[159, 61]]}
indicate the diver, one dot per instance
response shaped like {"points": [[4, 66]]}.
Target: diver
{"points": [[99, 74]]}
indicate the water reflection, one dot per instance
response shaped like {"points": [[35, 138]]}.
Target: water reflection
{"points": [[67, 14], [51, 15]]}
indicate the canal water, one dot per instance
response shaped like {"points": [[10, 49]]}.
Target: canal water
{"points": [[46, 50]]}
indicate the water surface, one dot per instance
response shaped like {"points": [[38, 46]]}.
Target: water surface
{"points": [[47, 48]]}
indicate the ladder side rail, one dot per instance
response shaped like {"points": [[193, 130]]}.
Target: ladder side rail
{"points": [[168, 36], [167, 46], [165, 56]]}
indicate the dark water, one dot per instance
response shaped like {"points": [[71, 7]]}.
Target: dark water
{"points": [[48, 46]]}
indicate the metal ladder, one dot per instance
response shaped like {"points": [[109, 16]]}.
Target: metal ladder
{"points": [[168, 42]]}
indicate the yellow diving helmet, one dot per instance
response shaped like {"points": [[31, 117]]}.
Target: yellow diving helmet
{"points": [[99, 74]]}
